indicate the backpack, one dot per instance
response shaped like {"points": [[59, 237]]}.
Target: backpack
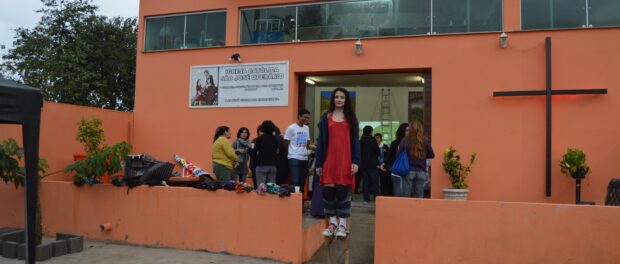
{"points": [[401, 164]]}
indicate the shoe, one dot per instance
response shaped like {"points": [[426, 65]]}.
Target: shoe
{"points": [[329, 231], [341, 232]]}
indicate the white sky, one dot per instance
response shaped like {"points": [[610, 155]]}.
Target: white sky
{"points": [[22, 13]]}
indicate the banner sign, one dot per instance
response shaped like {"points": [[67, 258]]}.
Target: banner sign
{"points": [[239, 85]]}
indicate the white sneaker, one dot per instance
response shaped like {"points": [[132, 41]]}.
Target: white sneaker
{"points": [[329, 231], [341, 232]]}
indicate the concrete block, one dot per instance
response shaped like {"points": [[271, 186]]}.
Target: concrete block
{"points": [[1, 241], [43, 252], [14, 236], [5, 230], [75, 244], [59, 248], [64, 236], [21, 251], [9, 249]]}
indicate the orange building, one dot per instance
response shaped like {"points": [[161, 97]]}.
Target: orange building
{"points": [[401, 64]]}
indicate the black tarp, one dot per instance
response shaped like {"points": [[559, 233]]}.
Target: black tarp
{"points": [[21, 104]]}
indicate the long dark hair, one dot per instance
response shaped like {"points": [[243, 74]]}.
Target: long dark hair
{"points": [[241, 131], [349, 112], [400, 132], [220, 131]]}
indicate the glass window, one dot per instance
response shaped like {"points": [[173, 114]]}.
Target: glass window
{"points": [[345, 20], [185, 31], [268, 25], [412, 17], [451, 16], [604, 13], [546, 14], [153, 27], [206, 30]]}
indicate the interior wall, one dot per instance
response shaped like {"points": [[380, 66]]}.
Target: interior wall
{"points": [[368, 103]]}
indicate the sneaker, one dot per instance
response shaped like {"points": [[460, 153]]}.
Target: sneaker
{"points": [[342, 232], [329, 231]]}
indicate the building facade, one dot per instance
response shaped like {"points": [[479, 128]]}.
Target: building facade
{"points": [[434, 60]]}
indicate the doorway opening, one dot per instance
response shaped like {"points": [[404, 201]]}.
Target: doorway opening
{"points": [[383, 101]]}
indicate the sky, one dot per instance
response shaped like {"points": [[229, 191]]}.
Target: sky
{"points": [[22, 13]]}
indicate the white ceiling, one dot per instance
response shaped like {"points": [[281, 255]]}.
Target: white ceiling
{"points": [[366, 80]]}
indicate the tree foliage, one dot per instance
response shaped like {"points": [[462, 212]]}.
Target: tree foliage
{"points": [[76, 56]]}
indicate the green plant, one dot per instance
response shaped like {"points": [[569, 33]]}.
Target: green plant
{"points": [[90, 134], [455, 169], [573, 163], [106, 160], [11, 172]]}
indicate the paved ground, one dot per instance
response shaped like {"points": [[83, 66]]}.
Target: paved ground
{"points": [[361, 247], [99, 253]]}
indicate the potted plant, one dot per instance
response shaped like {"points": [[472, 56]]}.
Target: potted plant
{"points": [[458, 174], [11, 172], [101, 160], [573, 164]]}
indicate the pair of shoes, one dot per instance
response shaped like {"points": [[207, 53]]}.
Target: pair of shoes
{"points": [[341, 232], [329, 231]]}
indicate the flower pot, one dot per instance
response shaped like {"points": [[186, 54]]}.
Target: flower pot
{"points": [[579, 174], [455, 194]]}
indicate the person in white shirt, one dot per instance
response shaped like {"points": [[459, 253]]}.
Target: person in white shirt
{"points": [[297, 138]]}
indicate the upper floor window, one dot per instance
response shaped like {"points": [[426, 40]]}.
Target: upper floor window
{"points": [[185, 31], [367, 18], [550, 14]]}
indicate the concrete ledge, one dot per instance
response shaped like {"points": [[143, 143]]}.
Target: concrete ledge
{"points": [[441, 231]]}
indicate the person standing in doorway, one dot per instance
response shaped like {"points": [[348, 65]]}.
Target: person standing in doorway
{"points": [[384, 175], [337, 160], [297, 137], [369, 171], [391, 157], [223, 155], [419, 150]]}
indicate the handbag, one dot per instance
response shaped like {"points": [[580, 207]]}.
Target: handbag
{"points": [[401, 164]]}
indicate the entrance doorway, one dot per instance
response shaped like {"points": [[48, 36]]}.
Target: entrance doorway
{"points": [[383, 101]]}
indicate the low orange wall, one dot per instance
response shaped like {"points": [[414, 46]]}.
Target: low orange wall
{"points": [[175, 217], [438, 231], [59, 127]]}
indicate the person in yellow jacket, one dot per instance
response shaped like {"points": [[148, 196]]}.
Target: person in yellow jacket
{"points": [[223, 155]]}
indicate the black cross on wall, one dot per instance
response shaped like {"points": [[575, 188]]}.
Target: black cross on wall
{"points": [[548, 93]]}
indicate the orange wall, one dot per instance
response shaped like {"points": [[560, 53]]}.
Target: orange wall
{"points": [[175, 217], [59, 128], [507, 133], [438, 231]]}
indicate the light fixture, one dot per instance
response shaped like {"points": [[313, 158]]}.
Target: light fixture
{"points": [[503, 40], [358, 47], [235, 57], [310, 81], [422, 80]]}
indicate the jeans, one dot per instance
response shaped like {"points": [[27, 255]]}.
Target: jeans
{"points": [[371, 182], [299, 170], [240, 177], [418, 178], [402, 186]]}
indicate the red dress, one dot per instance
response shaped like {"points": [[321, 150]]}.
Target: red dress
{"points": [[337, 165]]}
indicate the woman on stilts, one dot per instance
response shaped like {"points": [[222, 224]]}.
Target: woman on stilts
{"points": [[337, 160]]}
